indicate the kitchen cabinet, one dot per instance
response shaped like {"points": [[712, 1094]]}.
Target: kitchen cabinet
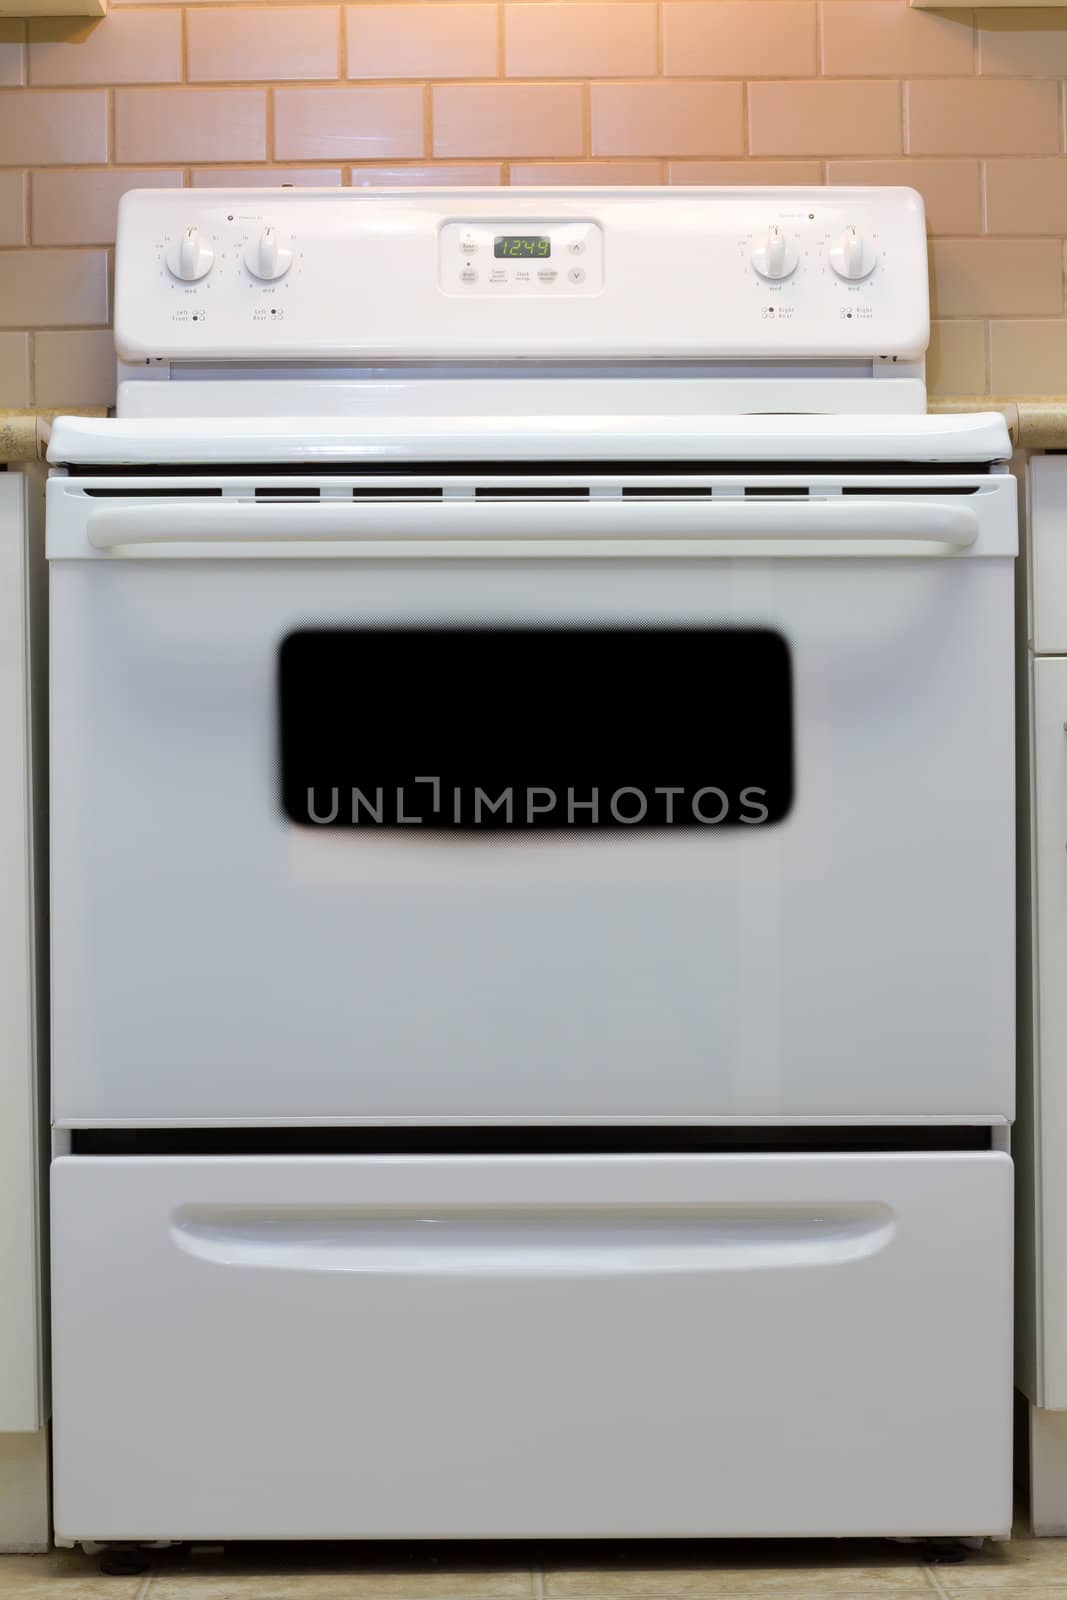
{"points": [[23, 1376]]}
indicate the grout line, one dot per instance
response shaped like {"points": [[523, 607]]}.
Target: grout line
{"points": [[931, 1577], [538, 1575], [145, 1586]]}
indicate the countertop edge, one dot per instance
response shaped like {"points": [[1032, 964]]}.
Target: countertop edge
{"points": [[24, 431]]}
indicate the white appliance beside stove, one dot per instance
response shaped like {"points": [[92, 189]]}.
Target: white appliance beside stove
{"points": [[532, 878]]}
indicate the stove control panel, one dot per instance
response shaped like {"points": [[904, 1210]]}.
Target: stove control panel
{"points": [[521, 258], [593, 275]]}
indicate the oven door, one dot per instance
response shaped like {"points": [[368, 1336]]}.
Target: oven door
{"points": [[531, 812]]}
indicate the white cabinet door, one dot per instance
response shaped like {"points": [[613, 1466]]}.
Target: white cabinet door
{"points": [[393, 1347], [21, 591], [1048, 554], [1050, 1020]]}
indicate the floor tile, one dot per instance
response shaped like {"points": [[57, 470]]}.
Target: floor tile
{"points": [[760, 1583], [334, 1572], [1019, 1569], [720, 1570], [794, 1569], [62, 1575]]}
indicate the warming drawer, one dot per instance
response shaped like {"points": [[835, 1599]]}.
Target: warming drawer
{"points": [[471, 1346]]}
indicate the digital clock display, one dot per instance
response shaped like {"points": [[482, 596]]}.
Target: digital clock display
{"points": [[527, 245]]}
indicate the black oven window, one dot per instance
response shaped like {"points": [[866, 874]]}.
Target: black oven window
{"points": [[536, 728]]}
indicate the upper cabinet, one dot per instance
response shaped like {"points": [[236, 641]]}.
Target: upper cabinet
{"points": [[53, 8]]}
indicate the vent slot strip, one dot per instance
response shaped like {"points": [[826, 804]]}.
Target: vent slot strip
{"points": [[529, 1140]]}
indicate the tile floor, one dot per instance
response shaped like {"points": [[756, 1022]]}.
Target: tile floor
{"points": [[1022, 1570]]}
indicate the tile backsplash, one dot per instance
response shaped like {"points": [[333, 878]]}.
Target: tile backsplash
{"points": [[967, 107]]}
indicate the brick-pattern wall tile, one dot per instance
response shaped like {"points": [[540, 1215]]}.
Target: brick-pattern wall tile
{"points": [[15, 386], [965, 107], [75, 368], [473, 175], [52, 127], [80, 207], [951, 190], [1021, 44], [1027, 196], [518, 119], [53, 288], [957, 116], [267, 177], [895, 39], [293, 42], [667, 119], [438, 40], [739, 38], [996, 277], [599, 173], [956, 359], [12, 53], [130, 47], [1028, 358], [342, 124], [825, 118], [187, 125], [576, 39], [12, 208], [722, 174]]}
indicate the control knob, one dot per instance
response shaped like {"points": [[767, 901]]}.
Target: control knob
{"points": [[190, 258], [852, 256], [774, 256], [270, 256]]}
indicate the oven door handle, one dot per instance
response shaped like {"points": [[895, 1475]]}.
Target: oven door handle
{"points": [[262, 525]]}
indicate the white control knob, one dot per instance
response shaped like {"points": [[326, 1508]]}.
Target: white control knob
{"points": [[190, 258], [774, 256], [852, 256], [270, 257]]}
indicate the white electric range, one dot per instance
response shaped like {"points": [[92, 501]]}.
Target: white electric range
{"points": [[532, 872]]}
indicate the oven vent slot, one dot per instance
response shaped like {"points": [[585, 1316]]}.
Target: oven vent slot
{"points": [[662, 491], [927, 494], [782, 492], [387, 492], [291, 492], [150, 494], [532, 492]]}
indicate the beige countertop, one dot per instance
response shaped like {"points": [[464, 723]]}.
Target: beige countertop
{"points": [[24, 433], [1039, 424]]}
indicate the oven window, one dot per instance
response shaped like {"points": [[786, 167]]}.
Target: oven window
{"points": [[536, 728]]}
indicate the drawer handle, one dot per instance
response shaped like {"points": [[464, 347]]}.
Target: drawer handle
{"points": [[530, 1241]]}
